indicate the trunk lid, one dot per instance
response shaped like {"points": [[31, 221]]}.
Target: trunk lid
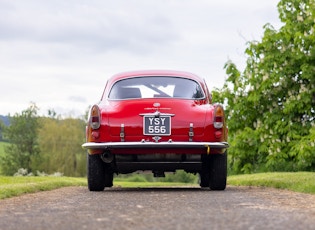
{"points": [[126, 119]]}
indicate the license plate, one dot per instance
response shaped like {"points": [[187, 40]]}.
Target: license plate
{"points": [[157, 126]]}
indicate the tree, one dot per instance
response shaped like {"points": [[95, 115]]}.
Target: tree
{"points": [[22, 136], [1, 130], [60, 143], [271, 105]]}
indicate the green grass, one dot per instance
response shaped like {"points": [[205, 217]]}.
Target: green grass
{"points": [[14, 186], [294, 181], [298, 181]]}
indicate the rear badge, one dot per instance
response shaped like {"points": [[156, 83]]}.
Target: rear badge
{"points": [[156, 104], [156, 138]]}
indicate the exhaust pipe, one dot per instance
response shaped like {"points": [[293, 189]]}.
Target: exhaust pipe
{"points": [[107, 157]]}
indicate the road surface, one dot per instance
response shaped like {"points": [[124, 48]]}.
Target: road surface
{"points": [[159, 208]]}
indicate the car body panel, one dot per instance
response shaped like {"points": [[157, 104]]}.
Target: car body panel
{"points": [[133, 121]]}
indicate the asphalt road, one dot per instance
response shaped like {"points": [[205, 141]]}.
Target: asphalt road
{"points": [[159, 208]]}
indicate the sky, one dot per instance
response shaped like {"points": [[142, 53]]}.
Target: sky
{"points": [[59, 54]]}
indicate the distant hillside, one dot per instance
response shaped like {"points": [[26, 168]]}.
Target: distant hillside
{"points": [[5, 120]]}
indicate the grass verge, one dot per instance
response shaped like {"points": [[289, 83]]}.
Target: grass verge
{"points": [[297, 181], [294, 181], [15, 186]]}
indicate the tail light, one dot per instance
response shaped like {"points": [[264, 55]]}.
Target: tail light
{"points": [[95, 118], [218, 116]]}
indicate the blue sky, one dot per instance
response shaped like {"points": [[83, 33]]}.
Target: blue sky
{"points": [[59, 53]]}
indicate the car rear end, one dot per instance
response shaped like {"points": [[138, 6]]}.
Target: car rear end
{"points": [[161, 132]]}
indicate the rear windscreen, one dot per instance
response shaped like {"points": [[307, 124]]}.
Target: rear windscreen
{"points": [[158, 86]]}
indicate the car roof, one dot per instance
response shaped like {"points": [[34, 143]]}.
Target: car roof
{"points": [[141, 73]]}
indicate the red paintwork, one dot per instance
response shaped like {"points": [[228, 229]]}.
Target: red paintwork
{"points": [[117, 112]]}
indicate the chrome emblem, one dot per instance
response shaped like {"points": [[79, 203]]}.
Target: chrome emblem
{"points": [[156, 104], [156, 138]]}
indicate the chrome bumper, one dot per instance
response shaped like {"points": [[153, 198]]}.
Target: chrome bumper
{"points": [[169, 144]]}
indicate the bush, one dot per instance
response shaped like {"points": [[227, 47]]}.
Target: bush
{"points": [[178, 176]]}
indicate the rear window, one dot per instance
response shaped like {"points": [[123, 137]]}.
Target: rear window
{"points": [[159, 86]]}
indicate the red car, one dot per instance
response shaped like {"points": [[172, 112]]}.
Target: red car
{"points": [[160, 121]]}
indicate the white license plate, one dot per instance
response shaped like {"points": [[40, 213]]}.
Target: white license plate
{"points": [[157, 126]]}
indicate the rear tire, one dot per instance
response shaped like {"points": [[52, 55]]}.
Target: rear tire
{"points": [[204, 175], [109, 176], [99, 174], [218, 171], [204, 180]]}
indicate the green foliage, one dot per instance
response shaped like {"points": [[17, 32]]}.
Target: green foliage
{"points": [[44, 144], [136, 178], [180, 176], [2, 151], [245, 157], [1, 130], [304, 151], [2, 147], [60, 143], [23, 147], [271, 104]]}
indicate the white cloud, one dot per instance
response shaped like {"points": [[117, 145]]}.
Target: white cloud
{"points": [[59, 54]]}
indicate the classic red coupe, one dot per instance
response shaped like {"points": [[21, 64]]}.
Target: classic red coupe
{"points": [[160, 121]]}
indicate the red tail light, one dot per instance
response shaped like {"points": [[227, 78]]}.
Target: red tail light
{"points": [[218, 117], [95, 118]]}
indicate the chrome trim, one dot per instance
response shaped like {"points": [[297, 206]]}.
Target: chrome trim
{"points": [[141, 144], [122, 132], [157, 114], [191, 132]]}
